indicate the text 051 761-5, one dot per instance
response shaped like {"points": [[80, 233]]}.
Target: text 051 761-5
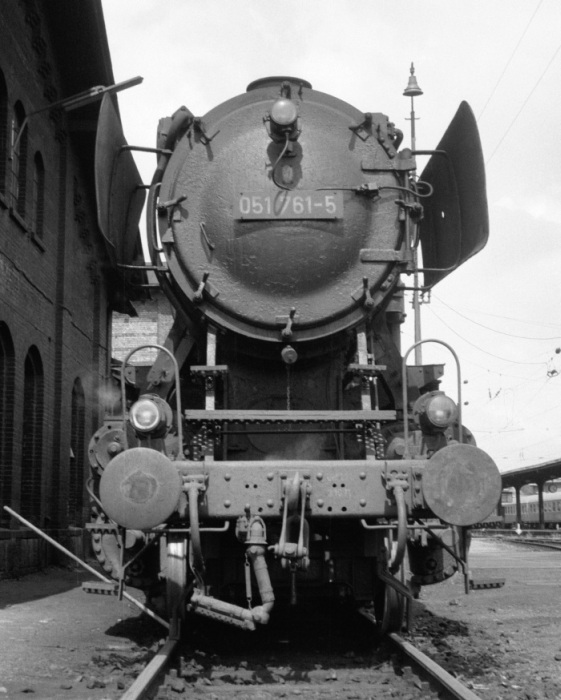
{"points": [[287, 204]]}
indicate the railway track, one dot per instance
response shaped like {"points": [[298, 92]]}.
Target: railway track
{"points": [[536, 538], [396, 667], [536, 542]]}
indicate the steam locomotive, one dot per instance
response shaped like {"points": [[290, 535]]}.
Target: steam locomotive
{"points": [[279, 448]]}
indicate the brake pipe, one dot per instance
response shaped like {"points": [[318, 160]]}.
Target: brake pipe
{"points": [[401, 528], [198, 564], [256, 549]]}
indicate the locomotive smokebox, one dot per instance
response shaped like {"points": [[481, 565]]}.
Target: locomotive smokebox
{"points": [[140, 488], [290, 205], [461, 484]]}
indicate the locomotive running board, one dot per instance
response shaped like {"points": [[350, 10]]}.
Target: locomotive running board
{"points": [[252, 416]]}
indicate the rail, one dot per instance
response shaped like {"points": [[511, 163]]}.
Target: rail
{"points": [[448, 687], [144, 683]]}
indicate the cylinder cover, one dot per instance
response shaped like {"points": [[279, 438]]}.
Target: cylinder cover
{"points": [[140, 488]]}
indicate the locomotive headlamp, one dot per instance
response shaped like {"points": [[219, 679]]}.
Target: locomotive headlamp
{"points": [[150, 415], [282, 121], [435, 412], [284, 112]]}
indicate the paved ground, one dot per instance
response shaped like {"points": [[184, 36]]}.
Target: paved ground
{"points": [[507, 639], [49, 631]]}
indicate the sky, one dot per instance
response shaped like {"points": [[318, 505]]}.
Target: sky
{"points": [[501, 310]]}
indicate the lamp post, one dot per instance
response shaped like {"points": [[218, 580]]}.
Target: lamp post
{"points": [[413, 90]]}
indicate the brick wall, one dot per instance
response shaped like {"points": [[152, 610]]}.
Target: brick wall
{"points": [[54, 301]]}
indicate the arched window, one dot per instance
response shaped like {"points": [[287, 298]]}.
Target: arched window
{"points": [[7, 373], [32, 440], [38, 195], [3, 133], [76, 471], [19, 159]]}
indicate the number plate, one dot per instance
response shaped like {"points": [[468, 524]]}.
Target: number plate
{"points": [[289, 204]]}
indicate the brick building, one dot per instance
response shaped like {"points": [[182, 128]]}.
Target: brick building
{"points": [[151, 325], [57, 286]]}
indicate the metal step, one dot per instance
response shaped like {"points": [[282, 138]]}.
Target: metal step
{"points": [[481, 583], [101, 587]]}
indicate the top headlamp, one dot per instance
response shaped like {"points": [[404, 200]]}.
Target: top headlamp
{"points": [[282, 120], [284, 113]]}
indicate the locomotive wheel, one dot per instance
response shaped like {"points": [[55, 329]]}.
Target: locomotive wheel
{"points": [[176, 574], [389, 606], [389, 609], [108, 553]]}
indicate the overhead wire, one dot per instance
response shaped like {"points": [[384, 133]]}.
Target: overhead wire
{"points": [[557, 407], [534, 444], [494, 330], [523, 105], [538, 391], [496, 394], [510, 318], [526, 418], [537, 375], [485, 352], [509, 60], [546, 410]]}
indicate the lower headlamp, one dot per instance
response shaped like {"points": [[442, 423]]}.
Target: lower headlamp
{"points": [[150, 415], [435, 412]]}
